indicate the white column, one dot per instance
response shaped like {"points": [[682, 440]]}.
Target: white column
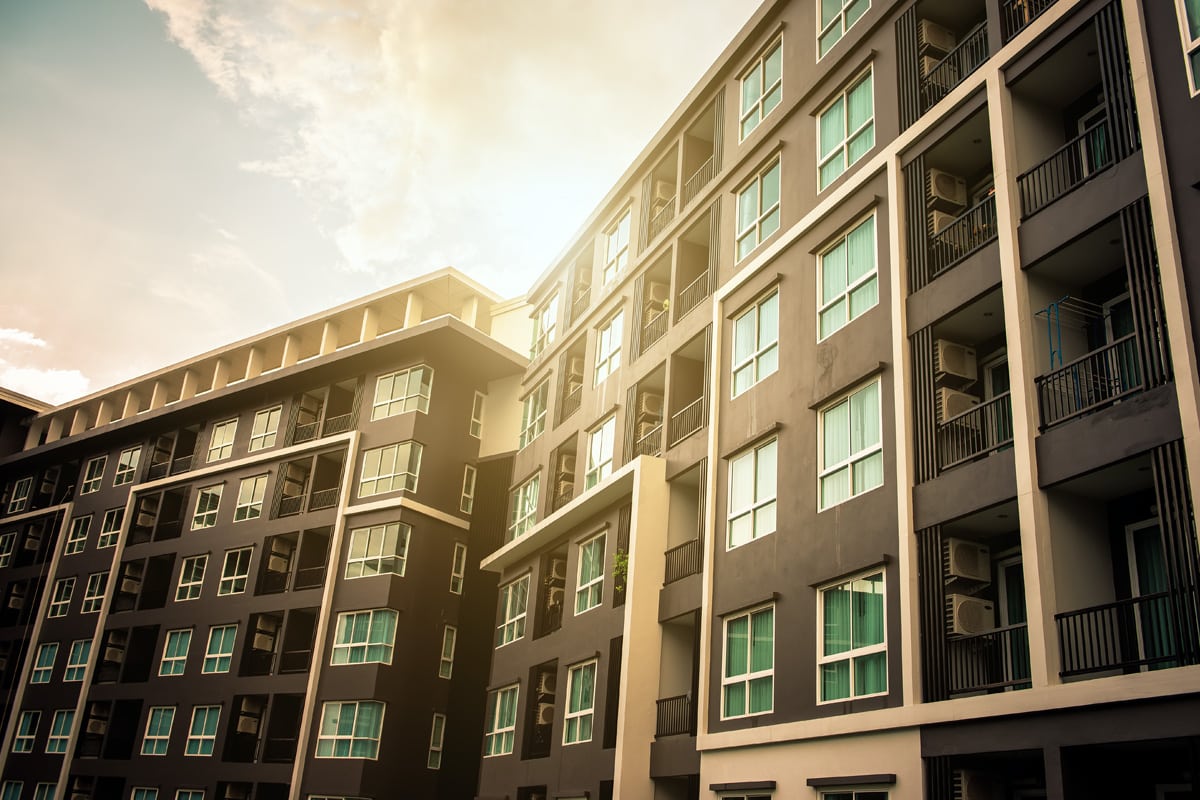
{"points": [[329, 337], [370, 324]]}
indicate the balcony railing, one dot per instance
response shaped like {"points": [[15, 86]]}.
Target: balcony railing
{"points": [[570, 402], [676, 716], [273, 582], [1016, 14], [295, 661], [976, 432], [323, 498], [686, 421], [995, 659], [650, 444], [661, 219], [1123, 635], [692, 295], [338, 424], [952, 70], [304, 433], [158, 470], [683, 560], [699, 179], [277, 750], [1090, 382], [182, 464], [290, 505], [962, 237], [1069, 167], [654, 329], [561, 498], [309, 578], [580, 305]]}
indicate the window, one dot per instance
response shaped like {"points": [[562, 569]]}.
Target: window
{"points": [[43, 665], [77, 660], [446, 663], [27, 727], [848, 278], [350, 730], [752, 485], [77, 535], [616, 248], [175, 652], [110, 528], [600, 452], [608, 347], [852, 659], [756, 343], [851, 446], [1189, 29], [589, 589], [221, 444], [544, 322], [365, 637], [466, 503], [437, 736], [208, 501], [191, 578], [762, 88], [265, 430], [390, 469], [251, 492], [93, 475], [93, 593], [8, 543], [458, 567], [202, 733], [236, 571], [11, 790], [513, 601], [533, 414], [581, 699], [60, 730], [60, 601], [748, 682], [190, 794], [851, 795], [758, 209], [836, 18], [44, 791], [158, 730], [501, 722], [144, 793], [524, 508], [378, 550], [846, 130], [398, 392], [20, 496], [127, 465], [477, 416], [219, 653]]}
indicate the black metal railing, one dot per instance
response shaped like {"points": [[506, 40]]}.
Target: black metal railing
{"points": [[1016, 14], [952, 70], [323, 498], [995, 659], [686, 421], [338, 424], [158, 470], [1090, 382], [295, 661], [570, 402], [970, 231], [1122, 635], [258, 662], [580, 304], [683, 560], [290, 505], [277, 750], [699, 179], [661, 219], [676, 716], [182, 464], [309, 578], [650, 444], [562, 497], [1067, 168], [304, 433], [655, 329], [692, 295], [273, 582], [976, 432]]}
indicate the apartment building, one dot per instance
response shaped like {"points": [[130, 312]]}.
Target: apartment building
{"points": [[254, 574], [860, 432]]}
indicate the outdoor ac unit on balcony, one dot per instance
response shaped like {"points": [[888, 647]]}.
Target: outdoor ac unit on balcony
{"points": [[663, 193], [558, 569], [966, 614], [97, 726], [650, 405], [247, 724], [644, 429], [545, 714], [971, 785], [554, 597], [277, 563], [565, 486], [115, 655], [939, 221], [968, 560], [655, 295], [947, 192], [954, 360], [931, 36], [575, 368], [130, 586], [16, 602], [951, 403], [566, 465], [547, 683]]}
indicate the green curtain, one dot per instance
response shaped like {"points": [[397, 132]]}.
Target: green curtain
{"points": [[860, 262], [861, 113], [1151, 568], [772, 71], [1192, 7]]}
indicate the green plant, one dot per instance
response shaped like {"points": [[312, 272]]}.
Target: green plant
{"points": [[620, 569]]}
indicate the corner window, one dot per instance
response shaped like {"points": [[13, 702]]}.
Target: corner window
{"points": [[235, 573], [60, 601], [545, 320], [851, 449], [399, 392], [437, 736], [191, 578], [753, 479], [446, 662], [600, 452], [1189, 30], [845, 130], [208, 502], [466, 501], [127, 466], [756, 343], [93, 475], [93, 593], [608, 347], [77, 535], [27, 727], [836, 18], [365, 637], [110, 528], [265, 430], [748, 680], [202, 733], [220, 445], [852, 660], [758, 209], [476, 428], [175, 652], [19, 500], [158, 730], [43, 664], [219, 654], [589, 591], [251, 492], [616, 248], [581, 701], [848, 278], [524, 508], [533, 414], [378, 550], [501, 722], [390, 469], [514, 599], [77, 660], [350, 730], [458, 568], [60, 730], [762, 88]]}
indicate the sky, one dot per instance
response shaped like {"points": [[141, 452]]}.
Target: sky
{"points": [[179, 174]]}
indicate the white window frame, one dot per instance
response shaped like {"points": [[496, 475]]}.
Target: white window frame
{"points": [[573, 720], [93, 593], [750, 674], [601, 445], [127, 465], [458, 568], [208, 505], [514, 611], [43, 671], [395, 394], [77, 661], [44, 790], [524, 507], [77, 535], [500, 736], [366, 555], [826, 470], [93, 475], [842, 149], [252, 492], [758, 109], [110, 528], [26, 731], [466, 501], [264, 432], [763, 360], [545, 324], [843, 298], [533, 414], [235, 571], [19, 500], [609, 338], [762, 501], [355, 737], [60, 600], [172, 665], [589, 592], [871, 793], [8, 544], [158, 743], [437, 741], [1191, 47], [840, 23], [191, 794], [220, 442], [59, 735], [446, 660], [144, 793], [348, 648], [191, 585], [476, 427], [767, 218], [199, 741], [219, 660], [373, 480], [11, 790], [617, 240], [854, 653]]}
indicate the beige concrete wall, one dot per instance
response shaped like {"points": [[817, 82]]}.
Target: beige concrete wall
{"points": [[1082, 563], [501, 416], [513, 327]]}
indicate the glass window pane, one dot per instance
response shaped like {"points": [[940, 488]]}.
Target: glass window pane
{"points": [[835, 680], [836, 607], [773, 68], [870, 674], [736, 634], [833, 130]]}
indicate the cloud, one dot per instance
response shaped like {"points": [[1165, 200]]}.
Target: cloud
{"points": [[51, 385], [10, 336]]}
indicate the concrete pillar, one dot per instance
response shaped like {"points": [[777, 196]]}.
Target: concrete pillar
{"points": [[187, 387], [220, 377], [370, 324], [470, 311], [413, 307], [54, 432], [104, 412], [291, 350], [254, 363], [329, 337], [133, 404], [158, 394], [35, 433], [79, 422]]}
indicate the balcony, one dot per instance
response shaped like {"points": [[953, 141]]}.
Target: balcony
{"points": [[1093, 381], [692, 295], [655, 328], [976, 432], [650, 444], [948, 72], [989, 661], [699, 179], [1067, 168], [963, 235], [579, 307], [682, 561], [1125, 635], [561, 497], [676, 716], [1016, 14], [570, 402], [660, 221], [688, 420]]}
